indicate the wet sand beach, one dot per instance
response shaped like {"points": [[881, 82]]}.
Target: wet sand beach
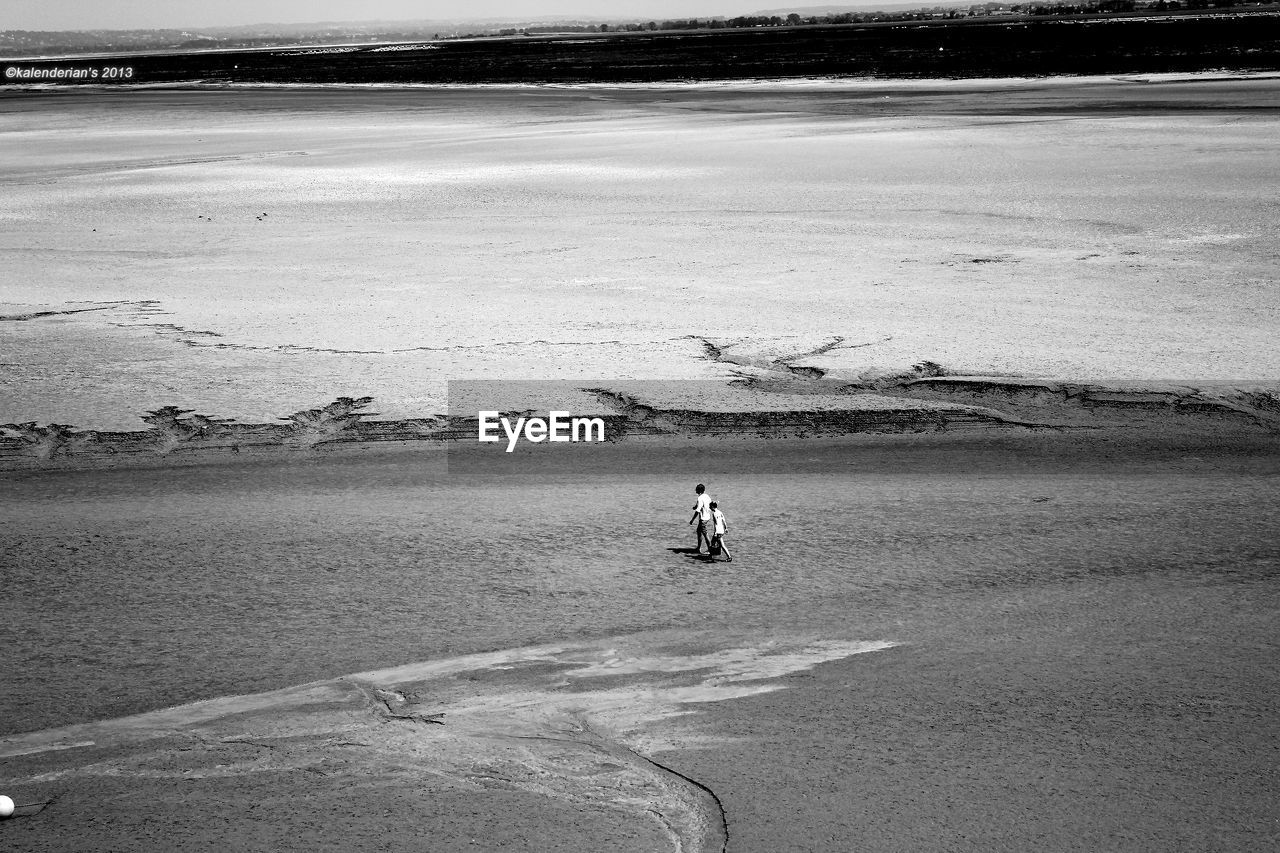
{"points": [[932, 645], [983, 373]]}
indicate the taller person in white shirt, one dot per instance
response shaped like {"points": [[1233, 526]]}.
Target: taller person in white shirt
{"points": [[702, 515]]}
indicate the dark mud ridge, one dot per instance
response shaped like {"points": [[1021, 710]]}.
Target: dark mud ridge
{"points": [[973, 47], [751, 409]]}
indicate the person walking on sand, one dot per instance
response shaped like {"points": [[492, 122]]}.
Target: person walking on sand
{"points": [[702, 515], [718, 529]]}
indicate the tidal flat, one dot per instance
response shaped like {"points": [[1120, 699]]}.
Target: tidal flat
{"points": [[252, 252], [1056, 635], [922, 643]]}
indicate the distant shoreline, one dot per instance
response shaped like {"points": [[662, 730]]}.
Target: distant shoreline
{"points": [[967, 49], [761, 84]]}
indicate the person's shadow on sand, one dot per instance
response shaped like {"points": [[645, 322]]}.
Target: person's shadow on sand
{"points": [[692, 554]]}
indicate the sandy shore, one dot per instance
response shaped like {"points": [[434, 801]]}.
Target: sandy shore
{"points": [[1103, 716], [984, 374], [989, 644], [250, 254]]}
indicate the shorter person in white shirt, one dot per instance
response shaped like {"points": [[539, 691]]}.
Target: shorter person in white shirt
{"points": [[718, 529]]}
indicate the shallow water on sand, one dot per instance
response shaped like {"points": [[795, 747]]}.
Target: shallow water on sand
{"points": [[125, 591]]}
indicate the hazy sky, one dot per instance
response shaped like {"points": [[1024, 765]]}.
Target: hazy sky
{"points": [[134, 14]]}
